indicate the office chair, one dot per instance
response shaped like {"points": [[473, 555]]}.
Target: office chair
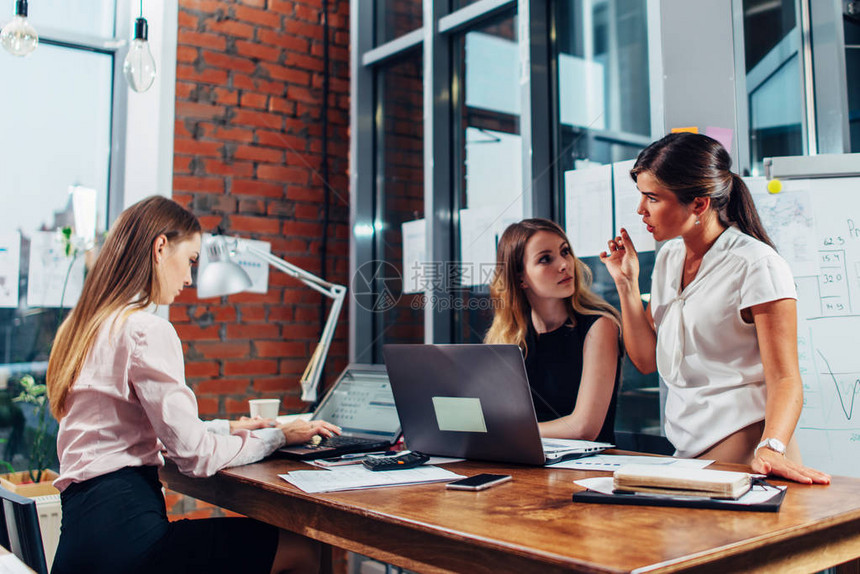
{"points": [[19, 530]]}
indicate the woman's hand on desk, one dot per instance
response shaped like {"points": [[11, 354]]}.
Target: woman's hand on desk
{"points": [[769, 462], [298, 432], [248, 423]]}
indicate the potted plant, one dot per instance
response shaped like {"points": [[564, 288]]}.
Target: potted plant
{"points": [[36, 481]]}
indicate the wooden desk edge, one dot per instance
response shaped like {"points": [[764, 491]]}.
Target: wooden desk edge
{"points": [[822, 545]]}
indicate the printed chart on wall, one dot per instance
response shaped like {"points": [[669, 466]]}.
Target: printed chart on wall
{"points": [[815, 224]]}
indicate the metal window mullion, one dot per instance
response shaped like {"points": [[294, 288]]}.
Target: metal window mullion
{"points": [[831, 83], [743, 160], [470, 16], [393, 49], [810, 132], [361, 170], [438, 163], [536, 110]]}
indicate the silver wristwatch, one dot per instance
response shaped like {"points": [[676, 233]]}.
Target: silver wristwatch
{"points": [[773, 444]]}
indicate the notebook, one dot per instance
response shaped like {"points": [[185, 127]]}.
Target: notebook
{"points": [[472, 401], [361, 404], [681, 481]]}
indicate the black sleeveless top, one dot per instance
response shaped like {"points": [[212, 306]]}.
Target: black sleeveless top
{"points": [[554, 367]]}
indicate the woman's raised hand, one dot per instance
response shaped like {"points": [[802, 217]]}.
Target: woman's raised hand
{"points": [[621, 260], [298, 432]]}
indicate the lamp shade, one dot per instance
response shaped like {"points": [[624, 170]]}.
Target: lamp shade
{"points": [[221, 276]]}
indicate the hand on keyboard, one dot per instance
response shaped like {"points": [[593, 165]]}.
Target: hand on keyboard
{"points": [[298, 432]]}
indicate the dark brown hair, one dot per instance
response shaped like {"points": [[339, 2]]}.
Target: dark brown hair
{"points": [[694, 165], [122, 276]]}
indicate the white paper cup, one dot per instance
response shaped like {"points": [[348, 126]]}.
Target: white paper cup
{"points": [[265, 408]]}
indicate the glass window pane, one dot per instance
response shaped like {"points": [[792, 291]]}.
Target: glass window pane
{"points": [[59, 135], [489, 160], [603, 85], [772, 46], [83, 17], [394, 18], [400, 193], [852, 66], [605, 117]]}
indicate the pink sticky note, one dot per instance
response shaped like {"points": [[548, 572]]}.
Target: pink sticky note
{"points": [[722, 135]]}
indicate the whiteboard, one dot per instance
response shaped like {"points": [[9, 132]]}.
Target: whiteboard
{"points": [[815, 224]]}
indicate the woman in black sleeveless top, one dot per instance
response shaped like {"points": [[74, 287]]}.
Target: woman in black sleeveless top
{"points": [[569, 336]]}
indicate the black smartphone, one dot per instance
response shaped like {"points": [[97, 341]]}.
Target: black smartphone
{"points": [[478, 482]]}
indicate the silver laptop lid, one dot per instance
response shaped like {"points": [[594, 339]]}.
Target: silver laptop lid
{"points": [[470, 401], [361, 403]]}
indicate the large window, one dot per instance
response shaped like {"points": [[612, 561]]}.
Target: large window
{"points": [[58, 129], [398, 313], [772, 53], [488, 148]]}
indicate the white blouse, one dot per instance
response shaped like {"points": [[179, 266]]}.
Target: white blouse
{"points": [[131, 400], [707, 355]]}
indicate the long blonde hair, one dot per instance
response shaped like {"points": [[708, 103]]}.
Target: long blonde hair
{"points": [[123, 276], [512, 309]]}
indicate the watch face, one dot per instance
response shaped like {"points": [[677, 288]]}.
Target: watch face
{"points": [[776, 445]]}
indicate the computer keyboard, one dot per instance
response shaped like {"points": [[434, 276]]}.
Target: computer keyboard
{"points": [[340, 441]]}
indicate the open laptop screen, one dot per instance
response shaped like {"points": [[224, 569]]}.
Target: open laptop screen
{"points": [[361, 403]]}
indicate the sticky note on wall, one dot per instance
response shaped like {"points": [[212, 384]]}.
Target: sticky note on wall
{"points": [[722, 135], [691, 129]]}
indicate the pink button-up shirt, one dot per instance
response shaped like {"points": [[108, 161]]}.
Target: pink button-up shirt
{"points": [[131, 400]]}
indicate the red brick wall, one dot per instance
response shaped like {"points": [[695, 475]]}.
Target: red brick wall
{"points": [[248, 153]]}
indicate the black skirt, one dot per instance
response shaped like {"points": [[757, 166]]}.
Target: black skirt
{"points": [[118, 523]]}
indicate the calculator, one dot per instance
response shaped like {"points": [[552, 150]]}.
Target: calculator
{"points": [[400, 461]]}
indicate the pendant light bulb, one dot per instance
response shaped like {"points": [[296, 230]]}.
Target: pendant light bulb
{"points": [[139, 65], [18, 37]]}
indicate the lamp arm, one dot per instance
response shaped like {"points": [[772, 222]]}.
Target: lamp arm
{"points": [[309, 279], [313, 372]]}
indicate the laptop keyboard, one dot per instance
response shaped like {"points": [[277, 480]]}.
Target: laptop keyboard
{"points": [[339, 441]]}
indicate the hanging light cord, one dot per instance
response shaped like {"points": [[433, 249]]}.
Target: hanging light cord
{"points": [[141, 8]]}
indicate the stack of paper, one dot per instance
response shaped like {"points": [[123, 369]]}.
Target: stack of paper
{"points": [[681, 481], [356, 476]]}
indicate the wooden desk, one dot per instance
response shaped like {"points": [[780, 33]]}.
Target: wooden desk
{"points": [[531, 525]]}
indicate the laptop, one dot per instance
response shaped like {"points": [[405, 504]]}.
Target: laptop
{"points": [[361, 404], [472, 401]]}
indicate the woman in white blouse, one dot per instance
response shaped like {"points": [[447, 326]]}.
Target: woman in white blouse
{"points": [[116, 383], [721, 325]]}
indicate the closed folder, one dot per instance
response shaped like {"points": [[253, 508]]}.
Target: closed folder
{"points": [[681, 481]]}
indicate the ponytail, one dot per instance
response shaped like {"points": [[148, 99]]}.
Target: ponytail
{"points": [[740, 210]]}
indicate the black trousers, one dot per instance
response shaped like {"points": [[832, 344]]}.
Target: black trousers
{"points": [[117, 523]]}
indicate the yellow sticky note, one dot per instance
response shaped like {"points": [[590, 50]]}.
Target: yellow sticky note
{"points": [[691, 129]]}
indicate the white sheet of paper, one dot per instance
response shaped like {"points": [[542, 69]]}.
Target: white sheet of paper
{"points": [[257, 269], [626, 203], [480, 230], [10, 268], [755, 495], [414, 255], [49, 268], [356, 476], [789, 219], [612, 462], [588, 209]]}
